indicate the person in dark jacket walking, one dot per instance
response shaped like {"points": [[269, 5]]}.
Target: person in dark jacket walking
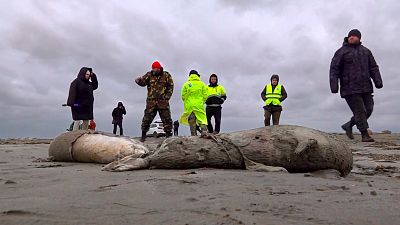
{"points": [[81, 98], [273, 95], [176, 127], [117, 115], [353, 66], [216, 97]]}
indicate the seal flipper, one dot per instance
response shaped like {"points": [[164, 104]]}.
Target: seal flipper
{"points": [[305, 145], [126, 164], [258, 167]]}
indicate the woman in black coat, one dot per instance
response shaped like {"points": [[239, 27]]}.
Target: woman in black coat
{"points": [[81, 98]]}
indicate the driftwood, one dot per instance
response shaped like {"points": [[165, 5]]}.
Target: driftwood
{"points": [[276, 148]]}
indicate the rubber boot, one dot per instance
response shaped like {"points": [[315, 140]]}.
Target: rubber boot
{"points": [[349, 130], [365, 137], [192, 124], [143, 138], [193, 131], [203, 131]]}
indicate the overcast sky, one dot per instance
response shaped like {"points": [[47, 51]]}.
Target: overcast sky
{"points": [[45, 43]]}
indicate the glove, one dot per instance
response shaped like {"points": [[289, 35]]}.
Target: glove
{"points": [[76, 105]]}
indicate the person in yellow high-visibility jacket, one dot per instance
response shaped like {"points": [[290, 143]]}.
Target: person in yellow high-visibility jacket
{"points": [[273, 95], [216, 97], [194, 95]]}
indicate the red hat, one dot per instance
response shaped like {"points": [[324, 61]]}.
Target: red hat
{"points": [[156, 65]]}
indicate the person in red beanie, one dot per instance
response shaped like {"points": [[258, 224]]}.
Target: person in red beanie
{"points": [[160, 87]]}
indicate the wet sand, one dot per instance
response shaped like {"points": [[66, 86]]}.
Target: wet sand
{"points": [[36, 191]]}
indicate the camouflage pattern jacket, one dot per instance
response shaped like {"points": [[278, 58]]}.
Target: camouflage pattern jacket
{"points": [[159, 89]]}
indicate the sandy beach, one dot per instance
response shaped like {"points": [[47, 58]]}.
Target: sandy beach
{"points": [[34, 190]]}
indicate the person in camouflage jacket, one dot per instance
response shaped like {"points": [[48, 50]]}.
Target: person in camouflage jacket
{"points": [[160, 87]]}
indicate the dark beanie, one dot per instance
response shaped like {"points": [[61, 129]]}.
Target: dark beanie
{"points": [[194, 72], [275, 76], [120, 104], [354, 32]]}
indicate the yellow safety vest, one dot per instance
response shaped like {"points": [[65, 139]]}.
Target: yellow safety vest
{"points": [[273, 96]]}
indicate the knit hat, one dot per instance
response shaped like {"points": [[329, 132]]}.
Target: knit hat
{"points": [[354, 32], [194, 72], [275, 76], [156, 65]]}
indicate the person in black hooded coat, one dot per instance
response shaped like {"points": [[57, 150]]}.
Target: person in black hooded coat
{"points": [[353, 66], [81, 98], [118, 114]]}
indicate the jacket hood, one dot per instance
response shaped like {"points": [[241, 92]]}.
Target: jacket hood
{"points": [[194, 77], [120, 104], [275, 76], [82, 73], [209, 80]]}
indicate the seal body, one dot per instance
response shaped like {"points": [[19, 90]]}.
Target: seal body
{"points": [[95, 147], [295, 148]]}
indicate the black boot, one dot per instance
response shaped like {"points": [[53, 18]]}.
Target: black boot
{"points": [[143, 138], [349, 131], [365, 137]]}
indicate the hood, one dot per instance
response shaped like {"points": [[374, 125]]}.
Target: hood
{"points": [[209, 80], [120, 104], [194, 77], [82, 73], [275, 76]]}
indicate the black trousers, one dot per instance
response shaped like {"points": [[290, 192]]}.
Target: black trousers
{"points": [[275, 117], [274, 111], [362, 106], [175, 131], [216, 112], [121, 130]]}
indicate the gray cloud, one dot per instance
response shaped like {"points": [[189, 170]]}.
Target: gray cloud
{"points": [[46, 42]]}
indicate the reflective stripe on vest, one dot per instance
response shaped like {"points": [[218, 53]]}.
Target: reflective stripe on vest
{"points": [[273, 96]]}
